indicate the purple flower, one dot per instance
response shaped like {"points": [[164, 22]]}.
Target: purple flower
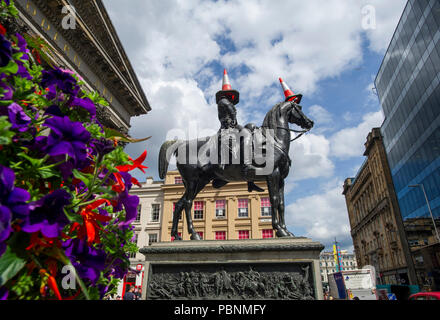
{"points": [[47, 214], [22, 45], [62, 80], [13, 198], [102, 146], [129, 202], [84, 103], [5, 227], [67, 137], [3, 293], [22, 71], [88, 261], [5, 51], [12, 204], [18, 118], [118, 270]]}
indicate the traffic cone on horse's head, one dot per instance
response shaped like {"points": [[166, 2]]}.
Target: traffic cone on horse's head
{"points": [[290, 96], [227, 91]]}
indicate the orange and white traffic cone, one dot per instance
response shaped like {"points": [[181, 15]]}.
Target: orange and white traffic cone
{"points": [[227, 91], [290, 96], [226, 83]]}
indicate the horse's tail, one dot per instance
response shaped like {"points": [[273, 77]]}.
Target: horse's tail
{"points": [[165, 155]]}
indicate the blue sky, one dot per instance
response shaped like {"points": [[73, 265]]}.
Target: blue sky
{"points": [[330, 51]]}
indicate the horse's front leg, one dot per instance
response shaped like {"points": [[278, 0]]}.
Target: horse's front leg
{"points": [[273, 184], [281, 208]]}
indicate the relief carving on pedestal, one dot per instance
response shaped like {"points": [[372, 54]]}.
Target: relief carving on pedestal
{"points": [[244, 283]]}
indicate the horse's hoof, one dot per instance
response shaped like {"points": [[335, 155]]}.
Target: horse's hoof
{"points": [[195, 236], [290, 233], [282, 233], [177, 238]]}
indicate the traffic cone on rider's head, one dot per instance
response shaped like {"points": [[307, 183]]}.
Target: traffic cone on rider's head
{"points": [[227, 91], [290, 96]]}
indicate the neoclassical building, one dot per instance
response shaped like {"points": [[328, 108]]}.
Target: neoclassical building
{"points": [[375, 220], [81, 38]]}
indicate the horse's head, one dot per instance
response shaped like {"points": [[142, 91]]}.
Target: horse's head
{"points": [[296, 116]]}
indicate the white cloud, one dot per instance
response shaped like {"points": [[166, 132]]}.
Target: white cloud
{"points": [[310, 158], [320, 115], [349, 142], [387, 16], [322, 215], [173, 42]]}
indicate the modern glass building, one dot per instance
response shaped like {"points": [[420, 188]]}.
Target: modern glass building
{"points": [[408, 85]]}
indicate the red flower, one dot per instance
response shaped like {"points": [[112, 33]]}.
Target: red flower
{"points": [[91, 228], [2, 30], [120, 186], [42, 242], [136, 164]]}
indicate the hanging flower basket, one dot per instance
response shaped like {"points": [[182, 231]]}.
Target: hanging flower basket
{"points": [[65, 210]]}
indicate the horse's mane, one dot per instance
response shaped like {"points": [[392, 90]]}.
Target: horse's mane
{"points": [[271, 118]]}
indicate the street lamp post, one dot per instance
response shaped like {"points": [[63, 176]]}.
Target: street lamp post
{"points": [[429, 207]]}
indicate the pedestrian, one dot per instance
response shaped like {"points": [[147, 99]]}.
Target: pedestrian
{"points": [[129, 295], [138, 294]]}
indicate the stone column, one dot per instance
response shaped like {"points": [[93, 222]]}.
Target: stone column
{"points": [[254, 214], [232, 212]]}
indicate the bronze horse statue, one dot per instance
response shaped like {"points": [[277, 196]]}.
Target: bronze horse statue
{"points": [[197, 175]]}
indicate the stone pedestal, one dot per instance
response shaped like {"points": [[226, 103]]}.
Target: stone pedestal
{"points": [[279, 268]]}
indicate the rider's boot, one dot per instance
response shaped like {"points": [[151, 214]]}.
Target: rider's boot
{"points": [[253, 187]]}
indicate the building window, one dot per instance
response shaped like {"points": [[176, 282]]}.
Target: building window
{"points": [[220, 209], [198, 209], [243, 208], [265, 207], [220, 235], [200, 234], [152, 238], [178, 180], [155, 212], [243, 234], [138, 216], [267, 233], [180, 235]]}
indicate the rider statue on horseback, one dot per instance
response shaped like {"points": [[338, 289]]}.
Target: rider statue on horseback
{"points": [[276, 139], [226, 100]]}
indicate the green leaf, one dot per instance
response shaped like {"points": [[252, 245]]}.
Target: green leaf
{"points": [[5, 134], [10, 265], [46, 173], [10, 68], [82, 176], [112, 133], [73, 217], [34, 162]]}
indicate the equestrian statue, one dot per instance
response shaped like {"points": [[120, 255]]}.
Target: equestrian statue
{"points": [[238, 153]]}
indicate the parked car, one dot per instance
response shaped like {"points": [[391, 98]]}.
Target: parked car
{"points": [[425, 296]]}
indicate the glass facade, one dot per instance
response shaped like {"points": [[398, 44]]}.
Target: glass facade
{"points": [[408, 85]]}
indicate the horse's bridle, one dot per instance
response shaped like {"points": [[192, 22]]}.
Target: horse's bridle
{"points": [[301, 132]]}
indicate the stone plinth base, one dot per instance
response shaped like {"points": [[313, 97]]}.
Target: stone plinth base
{"points": [[280, 268]]}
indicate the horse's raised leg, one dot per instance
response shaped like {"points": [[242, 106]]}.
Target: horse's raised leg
{"points": [[273, 184], [281, 208]]}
